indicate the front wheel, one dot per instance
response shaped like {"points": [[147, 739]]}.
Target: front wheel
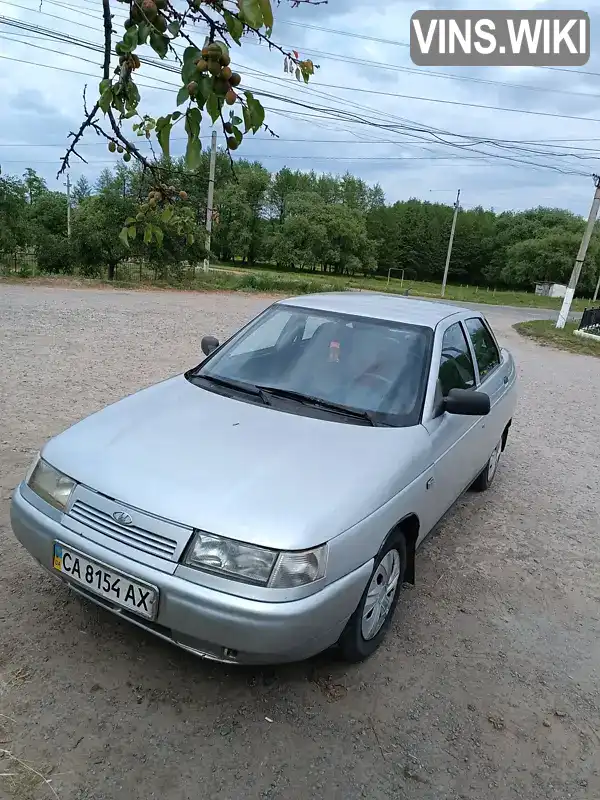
{"points": [[368, 626], [486, 477]]}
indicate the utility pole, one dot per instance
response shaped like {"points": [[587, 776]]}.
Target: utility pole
{"points": [[450, 243], [595, 297], [68, 206], [589, 228], [209, 202]]}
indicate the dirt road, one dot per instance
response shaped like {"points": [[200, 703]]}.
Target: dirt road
{"points": [[489, 684]]}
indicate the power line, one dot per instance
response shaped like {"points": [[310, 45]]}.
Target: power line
{"points": [[348, 117]]}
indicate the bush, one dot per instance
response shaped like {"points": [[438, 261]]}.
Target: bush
{"points": [[55, 254]]}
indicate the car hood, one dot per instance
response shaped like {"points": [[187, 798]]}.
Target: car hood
{"points": [[238, 469]]}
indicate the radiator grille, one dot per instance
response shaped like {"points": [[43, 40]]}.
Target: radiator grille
{"points": [[139, 538]]}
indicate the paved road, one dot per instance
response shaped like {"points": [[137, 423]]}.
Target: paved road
{"points": [[487, 687]]}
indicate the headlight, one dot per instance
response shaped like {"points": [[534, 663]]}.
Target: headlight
{"points": [[258, 565], [51, 485]]}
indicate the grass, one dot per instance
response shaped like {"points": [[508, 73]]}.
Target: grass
{"points": [[462, 294], [545, 333], [267, 279]]}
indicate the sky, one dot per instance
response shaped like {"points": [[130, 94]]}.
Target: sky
{"points": [[375, 80]]}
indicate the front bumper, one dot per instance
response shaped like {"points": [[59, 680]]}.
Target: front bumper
{"points": [[210, 623]]}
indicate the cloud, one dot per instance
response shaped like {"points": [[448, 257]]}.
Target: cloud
{"points": [[356, 128]]}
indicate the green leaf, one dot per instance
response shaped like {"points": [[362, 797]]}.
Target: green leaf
{"points": [[163, 134], [106, 99], [238, 135], [133, 94], [130, 40], [298, 74], [193, 154], [191, 54], [130, 221], [159, 43], [234, 26], [251, 12], [121, 49], [132, 232], [213, 106], [267, 13], [148, 233], [182, 95], [247, 118], [204, 87], [175, 115], [256, 111], [174, 28], [190, 238], [159, 235], [104, 85], [236, 120], [193, 117], [124, 237], [167, 214], [188, 70], [144, 30]]}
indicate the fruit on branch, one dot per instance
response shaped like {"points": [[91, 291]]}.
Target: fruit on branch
{"points": [[192, 88], [119, 149], [226, 73], [183, 195], [214, 68], [232, 143], [129, 23], [127, 157], [235, 79], [220, 87], [201, 65], [228, 127], [230, 97], [112, 147], [149, 9], [160, 23]]}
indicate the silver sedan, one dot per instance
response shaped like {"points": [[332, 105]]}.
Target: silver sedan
{"points": [[268, 503]]}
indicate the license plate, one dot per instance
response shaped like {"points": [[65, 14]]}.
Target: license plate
{"points": [[105, 582]]}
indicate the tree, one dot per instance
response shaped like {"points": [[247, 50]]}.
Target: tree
{"points": [[35, 185], [209, 88], [82, 190], [48, 221], [13, 207], [96, 226]]}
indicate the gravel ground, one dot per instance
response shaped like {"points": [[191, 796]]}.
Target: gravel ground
{"points": [[488, 685]]}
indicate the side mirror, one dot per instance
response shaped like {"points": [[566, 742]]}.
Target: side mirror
{"points": [[467, 403], [209, 344]]}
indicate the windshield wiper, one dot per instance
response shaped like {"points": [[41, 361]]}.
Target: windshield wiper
{"points": [[238, 386], [317, 402]]}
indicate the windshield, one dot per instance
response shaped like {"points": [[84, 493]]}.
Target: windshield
{"points": [[367, 365]]}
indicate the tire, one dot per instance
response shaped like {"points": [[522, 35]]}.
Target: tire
{"points": [[363, 633], [486, 477]]}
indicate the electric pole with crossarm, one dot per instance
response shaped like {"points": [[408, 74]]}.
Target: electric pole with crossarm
{"points": [[589, 228]]}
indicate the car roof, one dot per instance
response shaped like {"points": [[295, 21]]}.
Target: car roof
{"points": [[378, 305]]}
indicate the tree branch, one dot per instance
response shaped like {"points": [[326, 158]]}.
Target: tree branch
{"points": [[87, 122]]}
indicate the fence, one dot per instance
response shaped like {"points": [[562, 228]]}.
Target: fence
{"points": [[20, 262], [23, 263], [590, 321]]}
